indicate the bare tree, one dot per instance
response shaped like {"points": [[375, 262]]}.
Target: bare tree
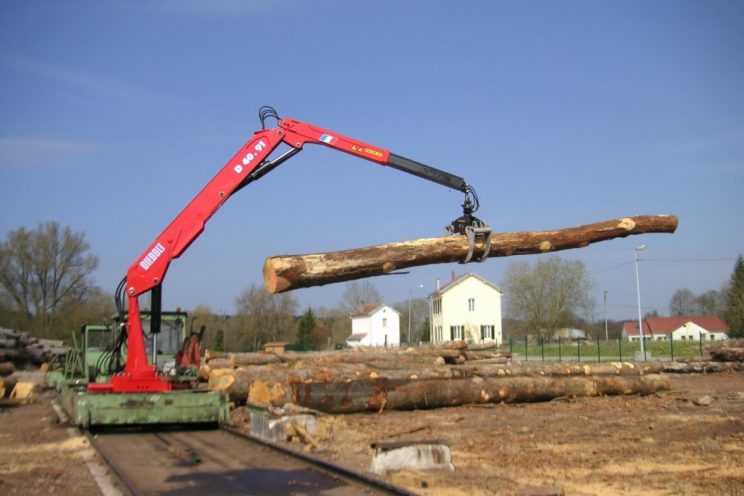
{"points": [[357, 294], [44, 269], [547, 296], [262, 317], [419, 309], [336, 320], [711, 302], [683, 302]]}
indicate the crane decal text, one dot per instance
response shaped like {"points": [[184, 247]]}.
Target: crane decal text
{"points": [[248, 158], [152, 256]]}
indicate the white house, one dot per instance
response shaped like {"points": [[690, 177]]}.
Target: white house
{"points": [[467, 308], [375, 324], [678, 328]]}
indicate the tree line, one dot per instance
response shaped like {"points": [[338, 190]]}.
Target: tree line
{"points": [[47, 288]]}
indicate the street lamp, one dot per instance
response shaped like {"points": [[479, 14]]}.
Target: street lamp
{"points": [[638, 291], [410, 296], [607, 335]]}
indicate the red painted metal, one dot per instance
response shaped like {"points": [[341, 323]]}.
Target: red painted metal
{"points": [[152, 265]]}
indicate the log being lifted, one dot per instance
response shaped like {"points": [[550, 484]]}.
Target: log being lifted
{"points": [[287, 272]]}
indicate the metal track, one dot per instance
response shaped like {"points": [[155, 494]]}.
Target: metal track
{"points": [[225, 462]]}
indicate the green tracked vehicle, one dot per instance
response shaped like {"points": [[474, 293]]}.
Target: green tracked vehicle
{"points": [[99, 351]]}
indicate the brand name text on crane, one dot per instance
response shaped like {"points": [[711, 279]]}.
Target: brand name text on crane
{"points": [[151, 256]]}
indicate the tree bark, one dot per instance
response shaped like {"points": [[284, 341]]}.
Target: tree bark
{"points": [[378, 395], [354, 387], [287, 272], [727, 354]]}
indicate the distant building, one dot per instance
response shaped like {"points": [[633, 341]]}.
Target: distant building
{"points": [[375, 324], [569, 333], [275, 346], [678, 328], [467, 308]]}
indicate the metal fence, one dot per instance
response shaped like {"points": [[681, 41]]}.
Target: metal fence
{"points": [[599, 350]]}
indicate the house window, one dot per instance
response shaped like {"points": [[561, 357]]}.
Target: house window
{"points": [[486, 332], [384, 324], [456, 332], [437, 306], [471, 304]]}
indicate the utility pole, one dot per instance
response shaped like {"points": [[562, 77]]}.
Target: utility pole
{"points": [[638, 289], [607, 334]]}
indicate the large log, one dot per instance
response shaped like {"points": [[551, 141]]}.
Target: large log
{"points": [[375, 395], [453, 352], [347, 387], [287, 272]]}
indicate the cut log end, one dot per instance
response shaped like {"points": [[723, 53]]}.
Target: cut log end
{"points": [[273, 282]]}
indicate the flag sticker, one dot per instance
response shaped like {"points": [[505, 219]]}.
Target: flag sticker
{"points": [[327, 138]]}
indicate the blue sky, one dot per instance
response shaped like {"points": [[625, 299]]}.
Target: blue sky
{"points": [[114, 114]]}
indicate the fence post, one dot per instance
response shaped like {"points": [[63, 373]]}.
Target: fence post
{"points": [[671, 345], [599, 353], [511, 345], [542, 348], [645, 344], [526, 353], [620, 347], [559, 350], [700, 341], [578, 349]]}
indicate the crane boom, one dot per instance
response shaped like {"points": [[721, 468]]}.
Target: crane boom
{"points": [[249, 163]]}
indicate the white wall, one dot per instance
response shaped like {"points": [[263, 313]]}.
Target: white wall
{"points": [[382, 327], [455, 311]]}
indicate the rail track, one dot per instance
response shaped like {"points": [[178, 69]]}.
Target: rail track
{"points": [[224, 462]]}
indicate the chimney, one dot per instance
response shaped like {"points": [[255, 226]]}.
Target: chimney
{"points": [[453, 276], [437, 284]]}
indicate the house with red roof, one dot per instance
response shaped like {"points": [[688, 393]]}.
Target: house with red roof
{"points": [[375, 324], [678, 328]]}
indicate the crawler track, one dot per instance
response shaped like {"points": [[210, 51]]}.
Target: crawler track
{"points": [[224, 462]]}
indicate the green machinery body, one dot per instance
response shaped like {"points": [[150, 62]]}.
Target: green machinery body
{"points": [[88, 362]]}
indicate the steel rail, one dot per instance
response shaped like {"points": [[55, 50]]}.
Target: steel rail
{"points": [[120, 474], [325, 464], [128, 480]]}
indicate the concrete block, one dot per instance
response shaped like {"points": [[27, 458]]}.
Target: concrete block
{"points": [[412, 455]]}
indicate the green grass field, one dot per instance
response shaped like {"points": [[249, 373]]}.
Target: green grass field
{"points": [[593, 351]]}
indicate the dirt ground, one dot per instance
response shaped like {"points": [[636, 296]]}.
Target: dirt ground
{"points": [[689, 440], [37, 455]]}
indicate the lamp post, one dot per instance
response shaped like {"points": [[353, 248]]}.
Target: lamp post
{"points": [[410, 297], [607, 334], [638, 291]]}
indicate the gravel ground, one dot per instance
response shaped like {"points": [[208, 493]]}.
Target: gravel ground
{"points": [[686, 441]]}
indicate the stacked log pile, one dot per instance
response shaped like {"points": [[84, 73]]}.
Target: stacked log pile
{"points": [[724, 356], [728, 351], [428, 377], [24, 350], [7, 379]]}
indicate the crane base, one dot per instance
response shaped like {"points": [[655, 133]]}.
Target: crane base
{"points": [[100, 409]]}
